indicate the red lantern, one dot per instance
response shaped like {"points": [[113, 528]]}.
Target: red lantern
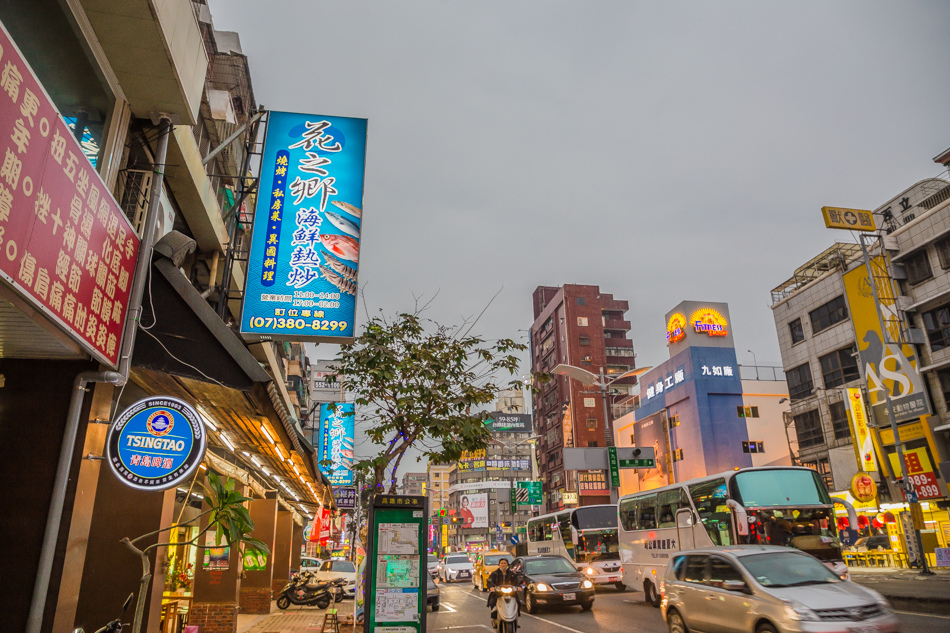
{"points": [[863, 521], [843, 523], [889, 517], [877, 523]]}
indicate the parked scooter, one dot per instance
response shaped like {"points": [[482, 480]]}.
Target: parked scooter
{"points": [[306, 590], [505, 614], [116, 625]]}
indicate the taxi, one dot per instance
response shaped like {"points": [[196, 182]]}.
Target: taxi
{"points": [[485, 563]]}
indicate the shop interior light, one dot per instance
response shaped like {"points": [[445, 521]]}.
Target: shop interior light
{"points": [[265, 471], [209, 423], [280, 451], [256, 463], [227, 442], [267, 435]]}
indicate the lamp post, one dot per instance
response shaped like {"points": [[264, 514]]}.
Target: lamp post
{"points": [[593, 380], [754, 362]]}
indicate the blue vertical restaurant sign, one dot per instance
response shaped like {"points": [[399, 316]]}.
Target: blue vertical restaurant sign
{"points": [[336, 443], [156, 443], [305, 248]]}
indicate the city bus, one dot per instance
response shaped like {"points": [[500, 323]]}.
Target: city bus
{"points": [[770, 505], [575, 533]]}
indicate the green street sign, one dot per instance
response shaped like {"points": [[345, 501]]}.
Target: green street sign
{"points": [[532, 496], [637, 463], [614, 466]]}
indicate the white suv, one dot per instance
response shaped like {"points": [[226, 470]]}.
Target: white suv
{"points": [[455, 567]]}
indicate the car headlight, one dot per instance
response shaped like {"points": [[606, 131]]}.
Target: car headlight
{"points": [[798, 611], [590, 570], [588, 584], [541, 586]]}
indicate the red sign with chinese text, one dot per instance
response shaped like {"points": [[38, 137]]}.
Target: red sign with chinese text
{"points": [[65, 244]]}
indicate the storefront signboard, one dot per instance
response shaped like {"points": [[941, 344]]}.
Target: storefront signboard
{"points": [[943, 556], [860, 434], [345, 497], [156, 443], [919, 471], [304, 259], [849, 219], [66, 247], [337, 443], [886, 368], [863, 488]]}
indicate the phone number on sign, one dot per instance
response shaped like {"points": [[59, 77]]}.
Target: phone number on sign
{"points": [[297, 324]]}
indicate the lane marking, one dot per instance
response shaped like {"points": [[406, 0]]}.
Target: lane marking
{"points": [[924, 615], [465, 626], [448, 607]]}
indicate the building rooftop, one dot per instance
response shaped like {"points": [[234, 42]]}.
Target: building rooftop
{"points": [[836, 256]]}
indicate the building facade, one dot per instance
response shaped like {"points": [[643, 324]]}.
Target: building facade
{"points": [[821, 318], [576, 325], [414, 483]]}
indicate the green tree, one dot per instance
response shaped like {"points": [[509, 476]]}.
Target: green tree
{"points": [[418, 383]]}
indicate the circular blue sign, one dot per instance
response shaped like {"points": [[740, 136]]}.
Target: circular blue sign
{"points": [[156, 443]]}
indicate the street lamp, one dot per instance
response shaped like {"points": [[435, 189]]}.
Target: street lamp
{"points": [[591, 379], [754, 362]]}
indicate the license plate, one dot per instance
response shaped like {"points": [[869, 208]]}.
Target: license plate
{"points": [[612, 579], [568, 596]]}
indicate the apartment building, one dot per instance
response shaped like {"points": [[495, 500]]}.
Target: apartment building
{"points": [[576, 325], [414, 484]]}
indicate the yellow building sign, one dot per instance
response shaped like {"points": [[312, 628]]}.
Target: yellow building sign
{"points": [[860, 433], [853, 219]]}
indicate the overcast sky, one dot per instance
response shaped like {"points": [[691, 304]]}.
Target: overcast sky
{"points": [[663, 151]]}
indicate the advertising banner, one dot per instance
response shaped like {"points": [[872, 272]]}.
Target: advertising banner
{"points": [[345, 498], [920, 472], [860, 434], [592, 482], [215, 558], [66, 247], [336, 443], [472, 461], [156, 443], [891, 367], [510, 423], [473, 509], [304, 259], [504, 463]]}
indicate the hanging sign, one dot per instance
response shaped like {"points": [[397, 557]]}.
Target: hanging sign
{"points": [[156, 443]]}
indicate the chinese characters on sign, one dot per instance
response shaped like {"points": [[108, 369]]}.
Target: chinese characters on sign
{"points": [[591, 481], [65, 245], [669, 382], [336, 443], [675, 328], [345, 498], [302, 270], [852, 219]]}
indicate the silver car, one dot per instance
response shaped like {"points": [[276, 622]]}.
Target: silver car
{"points": [[756, 589]]}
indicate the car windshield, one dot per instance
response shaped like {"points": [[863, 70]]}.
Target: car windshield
{"points": [[456, 559], [309, 562], [492, 559], [548, 566], [780, 569], [344, 566]]}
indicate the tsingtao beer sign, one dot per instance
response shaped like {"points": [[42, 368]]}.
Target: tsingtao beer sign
{"points": [[156, 443]]}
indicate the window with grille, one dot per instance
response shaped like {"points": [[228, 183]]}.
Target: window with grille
{"points": [[591, 424], [585, 341], [748, 412], [937, 324], [798, 334], [753, 447], [839, 420], [808, 429], [839, 367], [917, 266], [582, 321], [589, 403], [826, 315], [799, 382], [581, 301]]}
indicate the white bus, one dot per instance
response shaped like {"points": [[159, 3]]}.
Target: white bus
{"points": [[772, 505], [578, 533]]}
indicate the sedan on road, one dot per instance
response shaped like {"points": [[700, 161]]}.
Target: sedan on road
{"points": [[455, 567], [766, 589], [553, 580]]}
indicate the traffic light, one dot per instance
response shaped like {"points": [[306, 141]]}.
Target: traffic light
{"points": [[442, 512]]}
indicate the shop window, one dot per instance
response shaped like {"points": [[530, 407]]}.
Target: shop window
{"points": [[839, 420], [795, 328], [589, 403], [839, 367], [591, 424], [674, 421], [585, 341], [943, 252], [828, 314], [808, 429], [748, 412], [917, 266], [937, 324], [799, 382]]}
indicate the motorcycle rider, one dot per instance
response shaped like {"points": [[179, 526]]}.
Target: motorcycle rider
{"points": [[503, 576]]}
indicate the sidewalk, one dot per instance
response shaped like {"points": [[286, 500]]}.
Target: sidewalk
{"points": [[293, 620], [907, 590]]}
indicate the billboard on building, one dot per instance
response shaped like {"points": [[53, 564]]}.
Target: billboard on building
{"points": [[336, 443], [650, 433], [891, 367], [860, 433], [324, 384], [473, 509], [304, 259], [472, 461], [66, 247]]}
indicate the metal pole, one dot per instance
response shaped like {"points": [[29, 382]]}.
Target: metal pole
{"points": [[608, 424], [61, 480], [907, 486]]}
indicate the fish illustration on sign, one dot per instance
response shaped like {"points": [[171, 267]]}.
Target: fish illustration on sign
{"points": [[340, 268], [346, 207], [342, 246], [348, 227]]}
